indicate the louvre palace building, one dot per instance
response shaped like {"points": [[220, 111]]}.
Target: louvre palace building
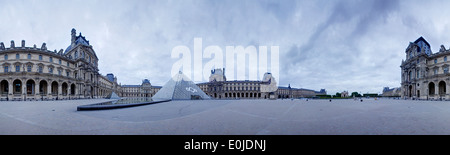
{"points": [[36, 73], [425, 75], [32, 73], [219, 88]]}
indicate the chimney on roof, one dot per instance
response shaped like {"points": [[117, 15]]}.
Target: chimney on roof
{"points": [[74, 32]]}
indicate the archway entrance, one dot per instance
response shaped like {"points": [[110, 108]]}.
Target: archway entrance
{"points": [[72, 89], [17, 86], [4, 88], [442, 89], [30, 87], [43, 87], [410, 91], [431, 89], [64, 88], [54, 88]]}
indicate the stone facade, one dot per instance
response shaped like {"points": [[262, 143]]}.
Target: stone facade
{"points": [[144, 90], [425, 75], [219, 88], [31, 73]]}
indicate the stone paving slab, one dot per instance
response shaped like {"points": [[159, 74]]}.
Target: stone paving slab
{"points": [[251, 117]]}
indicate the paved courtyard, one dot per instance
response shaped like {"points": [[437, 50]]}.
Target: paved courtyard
{"points": [[384, 116]]}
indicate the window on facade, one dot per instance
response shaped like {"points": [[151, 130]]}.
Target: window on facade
{"points": [[6, 56], [50, 70], [59, 72], [435, 61], [445, 70], [410, 76], [445, 59], [67, 64], [40, 57], [17, 56], [51, 59], [435, 71], [6, 69], [417, 74], [67, 74], [60, 61], [29, 56], [40, 69], [29, 68], [17, 68]]}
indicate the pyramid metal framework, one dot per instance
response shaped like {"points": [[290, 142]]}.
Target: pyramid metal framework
{"points": [[180, 87], [112, 95]]}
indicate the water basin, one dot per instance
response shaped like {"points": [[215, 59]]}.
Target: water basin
{"points": [[121, 103]]}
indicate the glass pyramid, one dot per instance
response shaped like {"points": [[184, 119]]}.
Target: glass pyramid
{"points": [[113, 95], [180, 87]]}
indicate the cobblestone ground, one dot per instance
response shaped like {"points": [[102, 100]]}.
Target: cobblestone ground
{"points": [[383, 116]]}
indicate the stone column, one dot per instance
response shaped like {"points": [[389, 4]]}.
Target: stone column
{"points": [[446, 90], [59, 90], [436, 91], [37, 94], [49, 91], [24, 91], [10, 90], [69, 90]]}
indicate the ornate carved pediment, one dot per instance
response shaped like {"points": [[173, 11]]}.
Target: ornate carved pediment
{"points": [[17, 63]]}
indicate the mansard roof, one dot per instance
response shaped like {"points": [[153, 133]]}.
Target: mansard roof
{"points": [[80, 39], [422, 39]]}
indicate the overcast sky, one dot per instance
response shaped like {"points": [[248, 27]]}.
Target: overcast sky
{"points": [[353, 45]]}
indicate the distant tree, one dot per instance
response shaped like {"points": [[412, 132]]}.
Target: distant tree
{"points": [[356, 94], [338, 94]]}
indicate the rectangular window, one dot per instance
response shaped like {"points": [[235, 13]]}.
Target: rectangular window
{"points": [[29, 68], [40, 69], [40, 57], [435, 71], [51, 59], [445, 70], [17, 56], [6, 56], [6, 69], [17, 68], [29, 56], [50, 70], [60, 61], [67, 74], [59, 72]]}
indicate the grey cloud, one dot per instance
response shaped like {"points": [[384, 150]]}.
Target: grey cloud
{"points": [[323, 44]]}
